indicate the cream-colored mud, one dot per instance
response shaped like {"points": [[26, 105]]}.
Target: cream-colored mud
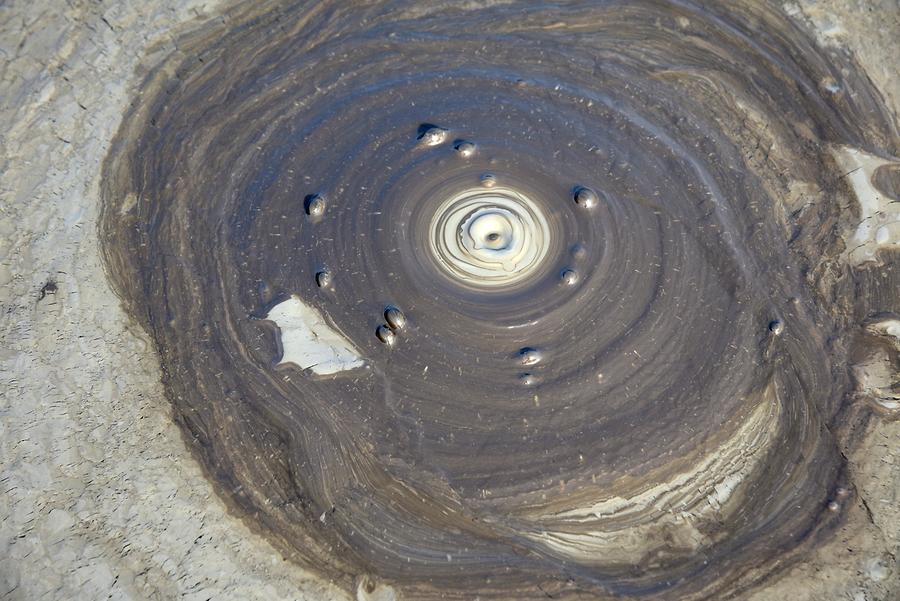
{"points": [[309, 342], [879, 216], [679, 505]]}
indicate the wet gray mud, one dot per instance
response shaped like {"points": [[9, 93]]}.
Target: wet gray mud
{"points": [[515, 301]]}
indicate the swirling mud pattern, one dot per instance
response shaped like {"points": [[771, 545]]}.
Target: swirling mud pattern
{"points": [[514, 301]]}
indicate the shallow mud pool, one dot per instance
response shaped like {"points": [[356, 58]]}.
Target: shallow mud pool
{"points": [[516, 301]]}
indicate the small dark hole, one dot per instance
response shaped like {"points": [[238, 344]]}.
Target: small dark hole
{"points": [[48, 288]]}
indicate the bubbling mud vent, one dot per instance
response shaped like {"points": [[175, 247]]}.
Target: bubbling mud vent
{"points": [[516, 302]]}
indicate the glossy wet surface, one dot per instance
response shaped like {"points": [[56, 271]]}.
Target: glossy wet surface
{"points": [[567, 276]]}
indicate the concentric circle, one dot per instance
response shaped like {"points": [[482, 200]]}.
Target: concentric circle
{"points": [[489, 239], [477, 303]]}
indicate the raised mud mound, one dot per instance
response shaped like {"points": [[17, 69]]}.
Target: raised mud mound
{"points": [[518, 301]]}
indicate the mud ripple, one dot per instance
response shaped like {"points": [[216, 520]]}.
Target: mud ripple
{"points": [[511, 300]]}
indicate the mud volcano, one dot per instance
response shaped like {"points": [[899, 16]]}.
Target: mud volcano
{"points": [[518, 301]]}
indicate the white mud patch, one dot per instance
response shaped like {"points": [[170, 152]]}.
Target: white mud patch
{"points": [[309, 342], [879, 216]]}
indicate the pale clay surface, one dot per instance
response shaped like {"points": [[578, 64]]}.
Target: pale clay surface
{"points": [[309, 342], [879, 225], [100, 496]]}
